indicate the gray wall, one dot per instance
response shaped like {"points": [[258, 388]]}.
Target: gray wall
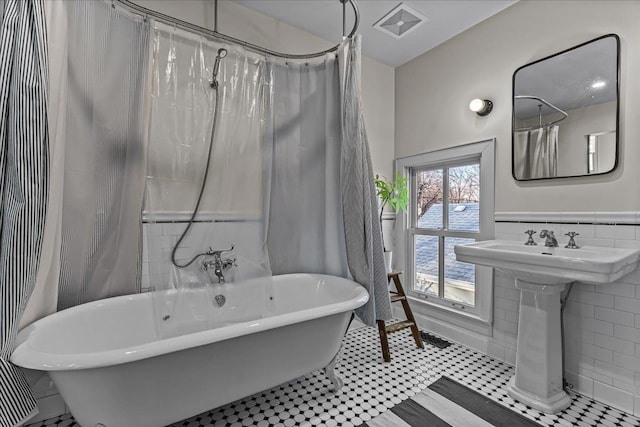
{"points": [[432, 97], [433, 93]]}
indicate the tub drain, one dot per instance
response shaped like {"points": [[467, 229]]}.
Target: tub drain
{"points": [[220, 300]]}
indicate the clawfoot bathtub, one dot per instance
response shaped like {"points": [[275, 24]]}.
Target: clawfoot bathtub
{"points": [[113, 370]]}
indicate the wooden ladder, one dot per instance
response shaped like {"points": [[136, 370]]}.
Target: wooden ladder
{"points": [[384, 330]]}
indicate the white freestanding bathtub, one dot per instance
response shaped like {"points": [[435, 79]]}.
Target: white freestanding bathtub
{"points": [[112, 370]]}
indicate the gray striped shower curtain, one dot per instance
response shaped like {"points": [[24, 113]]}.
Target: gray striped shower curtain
{"points": [[105, 153], [363, 235], [24, 174], [316, 145]]}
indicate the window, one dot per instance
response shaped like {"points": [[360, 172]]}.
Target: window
{"points": [[591, 154], [447, 214], [451, 203]]}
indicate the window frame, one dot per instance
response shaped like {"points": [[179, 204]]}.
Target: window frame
{"points": [[478, 317], [441, 232]]}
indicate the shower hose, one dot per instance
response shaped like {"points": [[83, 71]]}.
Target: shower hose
{"points": [[214, 84]]}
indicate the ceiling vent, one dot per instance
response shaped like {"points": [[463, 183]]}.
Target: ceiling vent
{"points": [[400, 21]]}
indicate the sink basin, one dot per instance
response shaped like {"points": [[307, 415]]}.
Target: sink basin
{"points": [[539, 264], [541, 274]]}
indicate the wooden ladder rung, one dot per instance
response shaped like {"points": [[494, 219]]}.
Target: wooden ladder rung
{"points": [[384, 330], [398, 326]]}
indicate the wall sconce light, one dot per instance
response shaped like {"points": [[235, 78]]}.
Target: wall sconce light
{"points": [[481, 107]]}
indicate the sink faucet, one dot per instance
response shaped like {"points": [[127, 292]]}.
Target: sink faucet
{"points": [[550, 239], [219, 263]]}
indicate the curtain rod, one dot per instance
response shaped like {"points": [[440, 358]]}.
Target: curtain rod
{"points": [[548, 104], [169, 20]]}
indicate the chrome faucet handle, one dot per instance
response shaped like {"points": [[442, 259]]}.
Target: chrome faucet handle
{"points": [[219, 252], [530, 241], [217, 258], [572, 242], [229, 262]]}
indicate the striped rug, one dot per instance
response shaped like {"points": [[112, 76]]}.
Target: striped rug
{"points": [[448, 403]]}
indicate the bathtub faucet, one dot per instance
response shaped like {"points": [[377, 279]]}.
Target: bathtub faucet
{"points": [[218, 263]]}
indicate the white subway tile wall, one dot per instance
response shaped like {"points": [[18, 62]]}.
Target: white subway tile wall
{"points": [[159, 239], [602, 323]]}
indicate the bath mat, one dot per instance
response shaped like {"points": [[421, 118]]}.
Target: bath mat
{"points": [[434, 340], [447, 403], [477, 404]]}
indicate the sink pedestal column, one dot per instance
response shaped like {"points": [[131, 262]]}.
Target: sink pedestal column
{"points": [[538, 379]]}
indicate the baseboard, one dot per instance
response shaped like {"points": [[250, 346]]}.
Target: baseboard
{"points": [[481, 343], [49, 407]]}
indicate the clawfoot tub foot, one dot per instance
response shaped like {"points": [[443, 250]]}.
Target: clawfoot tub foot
{"points": [[330, 372]]}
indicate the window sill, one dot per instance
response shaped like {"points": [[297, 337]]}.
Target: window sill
{"points": [[468, 321]]}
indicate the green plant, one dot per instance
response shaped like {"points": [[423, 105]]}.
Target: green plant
{"points": [[393, 193]]}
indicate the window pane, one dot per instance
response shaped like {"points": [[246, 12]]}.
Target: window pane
{"points": [[429, 198], [459, 277], [464, 198], [426, 265], [591, 150]]}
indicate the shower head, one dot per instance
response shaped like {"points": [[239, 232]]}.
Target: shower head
{"points": [[222, 52]]}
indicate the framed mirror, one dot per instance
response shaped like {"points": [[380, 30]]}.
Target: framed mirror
{"points": [[566, 112]]}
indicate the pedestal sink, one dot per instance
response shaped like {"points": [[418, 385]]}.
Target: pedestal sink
{"points": [[541, 274]]}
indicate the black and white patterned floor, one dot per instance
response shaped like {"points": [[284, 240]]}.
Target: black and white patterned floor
{"points": [[371, 387]]}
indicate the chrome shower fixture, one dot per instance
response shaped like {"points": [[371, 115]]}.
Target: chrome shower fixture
{"points": [[222, 52], [214, 85]]}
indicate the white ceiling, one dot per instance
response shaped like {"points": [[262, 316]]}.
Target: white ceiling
{"points": [[565, 80], [446, 18]]}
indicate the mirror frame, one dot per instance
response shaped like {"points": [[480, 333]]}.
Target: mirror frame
{"points": [[513, 106]]}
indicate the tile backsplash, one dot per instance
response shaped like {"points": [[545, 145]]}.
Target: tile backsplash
{"points": [[160, 233], [602, 323]]}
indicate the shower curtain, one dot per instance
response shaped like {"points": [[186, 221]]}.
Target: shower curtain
{"points": [[305, 219], [232, 210], [536, 153], [323, 210], [24, 173], [282, 153], [105, 153], [291, 182], [44, 298], [363, 235]]}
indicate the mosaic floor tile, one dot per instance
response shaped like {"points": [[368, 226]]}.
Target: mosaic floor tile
{"points": [[371, 387]]}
